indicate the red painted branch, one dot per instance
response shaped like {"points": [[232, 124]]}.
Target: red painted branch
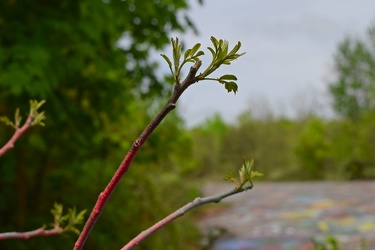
{"points": [[178, 213], [16, 135], [125, 164]]}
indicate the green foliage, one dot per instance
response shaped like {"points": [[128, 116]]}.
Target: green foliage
{"points": [[353, 90], [37, 118], [208, 141], [245, 175], [190, 55], [340, 149], [17, 119], [269, 142], [330, 243], [220, 56], [68, 221], [312, 149]]}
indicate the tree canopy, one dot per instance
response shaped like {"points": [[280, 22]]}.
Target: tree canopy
{"points": [[353, 90]]}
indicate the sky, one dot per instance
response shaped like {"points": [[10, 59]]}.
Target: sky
{"points": [[289, 48]]}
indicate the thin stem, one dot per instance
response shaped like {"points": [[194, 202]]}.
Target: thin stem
{"points": [[26, 235], [16, 135], [207, 78], [180, 212], [125, 164]]}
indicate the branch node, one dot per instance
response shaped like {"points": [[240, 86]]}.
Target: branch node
{"points": [[137, 143]]}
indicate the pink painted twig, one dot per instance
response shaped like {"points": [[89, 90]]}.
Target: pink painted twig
{"points": [[16, 135], [26, 235]]}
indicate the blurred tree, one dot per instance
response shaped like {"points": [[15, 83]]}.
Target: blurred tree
{"points": [[353, 90], [337, 149], [351, 148], [312, 150], [91, 61], [208, 141], [269, 142]]}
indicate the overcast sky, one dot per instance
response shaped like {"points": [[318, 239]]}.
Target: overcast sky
{"points": [[289, 49]]}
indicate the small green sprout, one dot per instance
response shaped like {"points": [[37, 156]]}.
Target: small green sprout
{"points": [[68, 221], [245, 175], [37, 118]]}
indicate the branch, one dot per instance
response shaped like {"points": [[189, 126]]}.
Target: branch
{"points": [[179, 88], [180, 212], [34, 118], [26, 235], [62, 223], [16, 135]]}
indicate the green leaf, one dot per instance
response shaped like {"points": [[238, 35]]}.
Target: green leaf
{"points": [[38, 119], [57, 213], [74, 230], [235, 49], [6, 120], [212, 52], [255, 174], [200, 53], [215, 42], [81, 216], [187, 54], [228, 77], [195, 49], [224, 48], [57, 209], [35, 105], [220, 45], [176, 55], [168, 60], [17, 118], [231, 86], [230, 176]]}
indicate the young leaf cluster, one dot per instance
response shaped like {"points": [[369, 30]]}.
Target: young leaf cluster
{"points": [[68, 221], [37, 118], [245, 175], [221, 55], [17, 120], [190, 55]]}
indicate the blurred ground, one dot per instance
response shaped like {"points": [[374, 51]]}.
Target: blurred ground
{"points": [[275, 216]]}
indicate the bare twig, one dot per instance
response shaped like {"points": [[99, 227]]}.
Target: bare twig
{"points": [[16, 135], [180, 212], [34, 118], [62, 223], [26, 235], [124, 166]]}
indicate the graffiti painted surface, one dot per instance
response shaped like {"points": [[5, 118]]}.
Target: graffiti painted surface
{"points": [[278, 216]]}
